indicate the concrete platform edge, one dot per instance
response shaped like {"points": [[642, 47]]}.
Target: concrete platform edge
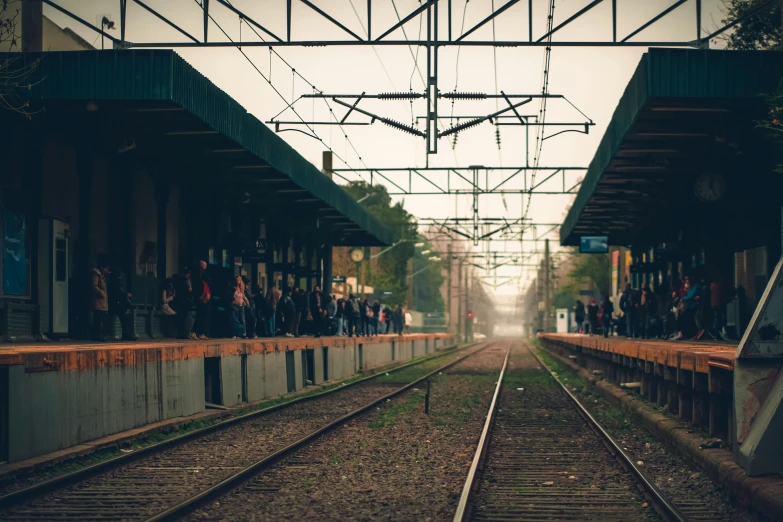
{"points": [[763, 494], [166, 426]]}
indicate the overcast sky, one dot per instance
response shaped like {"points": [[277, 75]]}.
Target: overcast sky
{"points": [[592, 78]]}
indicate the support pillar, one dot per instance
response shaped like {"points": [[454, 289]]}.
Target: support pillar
{"points": [[32, 26], [33, 167], [699, 409], [326, 269], [162, 199], [84, 167]]}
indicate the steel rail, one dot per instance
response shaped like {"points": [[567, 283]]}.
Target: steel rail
{"points": [[661, 503], [16, 497], [250, 471], [459, 515]]}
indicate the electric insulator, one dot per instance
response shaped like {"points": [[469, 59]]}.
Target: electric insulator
{"points": [[399, 96], [402, 127], [497, 136], [462, 127], [464, 95]]}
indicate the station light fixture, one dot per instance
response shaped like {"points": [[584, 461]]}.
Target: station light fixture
{"points": [[425, 252]]}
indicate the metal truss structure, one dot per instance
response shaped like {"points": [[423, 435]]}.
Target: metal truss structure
{"points": [[474, 180], [476, 229], [435, 37]]}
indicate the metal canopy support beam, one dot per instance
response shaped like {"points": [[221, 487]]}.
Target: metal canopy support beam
{"points": [[247, 19], [491, 17], [325, 15], [161, 17], [405, 20], [663, 13], [570, 19]]}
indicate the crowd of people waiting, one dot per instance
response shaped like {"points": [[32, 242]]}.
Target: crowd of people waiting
{"points": [[233, 309], [691, 309]]}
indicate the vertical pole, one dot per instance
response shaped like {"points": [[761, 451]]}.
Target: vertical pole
{"points": [[123, 12], [32, 26], [205, 5], [448, 288], [614, 20], [410, 283], [698, 20], [475, 206], [468, 289], [547, 278], [369, 20], [327, 160], [427, 399], [530, 19], [450, 20], [432, 79], [288, 20], [459, 298]]}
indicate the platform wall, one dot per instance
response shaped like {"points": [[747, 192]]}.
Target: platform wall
{"points": [[64, 396]]}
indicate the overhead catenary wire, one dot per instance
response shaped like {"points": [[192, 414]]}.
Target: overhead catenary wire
{"points": [[294, 73], [542, 106]]}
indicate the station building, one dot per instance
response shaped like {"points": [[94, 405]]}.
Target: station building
{"points": [[136, 157]]}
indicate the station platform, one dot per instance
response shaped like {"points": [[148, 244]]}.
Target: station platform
{"points": [[697, 356], [62, 394], [693, 380]]}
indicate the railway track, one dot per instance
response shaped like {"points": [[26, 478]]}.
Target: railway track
{"points": [[165, 481], [542, 456]]}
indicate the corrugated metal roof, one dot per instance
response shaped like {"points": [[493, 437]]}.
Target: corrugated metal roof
{"points": [[162, 75], [676, 73]]}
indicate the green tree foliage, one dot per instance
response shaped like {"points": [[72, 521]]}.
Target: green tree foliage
{"points": [[589, 272], [762, 30], [595, 268], [391, 272]]}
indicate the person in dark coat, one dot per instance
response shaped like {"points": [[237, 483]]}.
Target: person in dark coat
{"points": [[629, 307], [351, 315], [363, 323], [202, 295], [376, 317], [317, 311], [183, 304], [99, 300], [607, 309], [592, 318], [387, 318], [398, 320], [120, 304], [649, 313], [288, 311], [579, 314]]}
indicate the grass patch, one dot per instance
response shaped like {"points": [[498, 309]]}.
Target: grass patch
{"points": [[389, 415]]}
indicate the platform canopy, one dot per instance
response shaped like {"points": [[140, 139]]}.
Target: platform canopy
{"points": [[684, 114], [178, 118]]}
